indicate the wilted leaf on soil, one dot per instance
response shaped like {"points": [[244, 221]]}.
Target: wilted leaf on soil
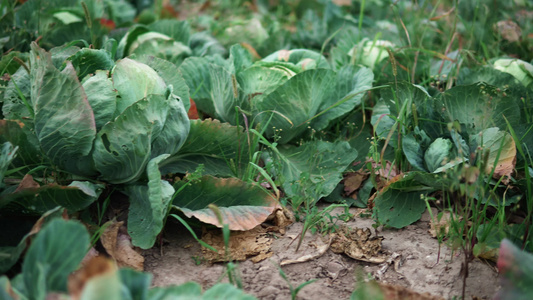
{"points": [[118, 245], [353, 181], [243, 205], [253, 243], [508, 30], [358, 244]]}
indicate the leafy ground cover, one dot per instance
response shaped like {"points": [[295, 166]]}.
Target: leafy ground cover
{"points": [[121, 118]]}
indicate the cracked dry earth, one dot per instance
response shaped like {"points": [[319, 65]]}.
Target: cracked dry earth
{"points": [[405, 265]]}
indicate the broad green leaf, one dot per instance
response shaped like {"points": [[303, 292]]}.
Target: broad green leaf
{"points": [[314, 167], [176, 29], [243, 205], [249, 31], [7, 153], [256, 82], [9, 65], [397, 208], [56, 251], [501, 150], [438, 154], [88, 61], [402, 102], [62, 53], [507, 83], [240, 57], [148, 206], [134, 81], [123, 147], [19, 134], [350, 89], [36, 198], [174, 132], [64, 120], [122, 11], [479, 106], [211, 143], [171, 75], [13, 106], [136, 284], [224, 93], [399, 204], [195, 71], [294, 103], [204, 44], [101, 96], [413, 145], [166, 49]]}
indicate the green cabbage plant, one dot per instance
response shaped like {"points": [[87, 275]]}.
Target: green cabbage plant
{"points": [[289, 92], [81, 114]]}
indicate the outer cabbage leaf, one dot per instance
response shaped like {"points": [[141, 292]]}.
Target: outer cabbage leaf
{"points": [[479, 106], [177, 30], [64, 120], [88, 61], [148, 206], [13, 107], [20, 134], [314, 168], [195, 71], [225, 93], [294, 103], [213, 144], [350, 89], [243, 205], [166, 49]]}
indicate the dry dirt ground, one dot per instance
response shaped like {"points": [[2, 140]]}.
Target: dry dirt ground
{"points": [[413, 265]]}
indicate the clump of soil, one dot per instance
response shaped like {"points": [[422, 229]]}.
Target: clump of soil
{"points": [[410, 267]]}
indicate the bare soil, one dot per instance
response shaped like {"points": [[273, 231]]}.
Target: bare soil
{"points": [[414, 267]]}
